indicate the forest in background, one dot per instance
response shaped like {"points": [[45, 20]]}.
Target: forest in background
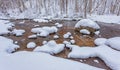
{"points": [[58, 8]]}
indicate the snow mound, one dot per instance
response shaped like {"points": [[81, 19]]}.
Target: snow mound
{"points": [[7, 45], [39, 61], [40, 20], [5, 26], [44, 31], [67, 35], [18, 32], [85, 31], [31, 45], [87, 23], [107, 54], [114, 42], [59, 25], [100, 41], [55, 36], [50, 47]]}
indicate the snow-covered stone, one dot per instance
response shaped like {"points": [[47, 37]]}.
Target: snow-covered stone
{"points": [[114, 42], [31, 45], [51, 47], [96, 61], [32, 36], [87, 23], [67, 35], [72, 41], [44, 31], [55, 36], [85, 31], [18, 32], [7, 45], [100, 41], [44, 42], [66, 42], [97, 32]]}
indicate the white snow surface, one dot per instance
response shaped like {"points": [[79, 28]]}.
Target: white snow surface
{"points": [[100, 41], [44, 31], [39, 61], [106, 18], [50, 47], [114, 42], [18, 32], [32, 36], [6, 45], [55, 36], [31, 45], [5, 26], [40, 20], [85, 31], [108, 55], [87, 23], [67, 35]]}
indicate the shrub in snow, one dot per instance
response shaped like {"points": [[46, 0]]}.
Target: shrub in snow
{"points": [[5, 26], [67, 35], [44, 31], [100, 41], [87, 24], [114, 42], [50, 47], [84, 31], [31, 45], [55, 36], [18, 32], [7, 45]]}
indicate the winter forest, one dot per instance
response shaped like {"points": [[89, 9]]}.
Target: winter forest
{"points": [[58, 8], [59, 34]]}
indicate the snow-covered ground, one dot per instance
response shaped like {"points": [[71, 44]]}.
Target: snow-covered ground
{"points": [[106, 18], [39, 61]]}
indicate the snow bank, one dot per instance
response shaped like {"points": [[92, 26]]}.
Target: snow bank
{"points": [[39, 61], [6, 45], [18, 32], [114, 42], [31, 45], [5, 26], [106, 18], [50, 47], [87, 23], [108, 55], [44, 31], [40, 20]]}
